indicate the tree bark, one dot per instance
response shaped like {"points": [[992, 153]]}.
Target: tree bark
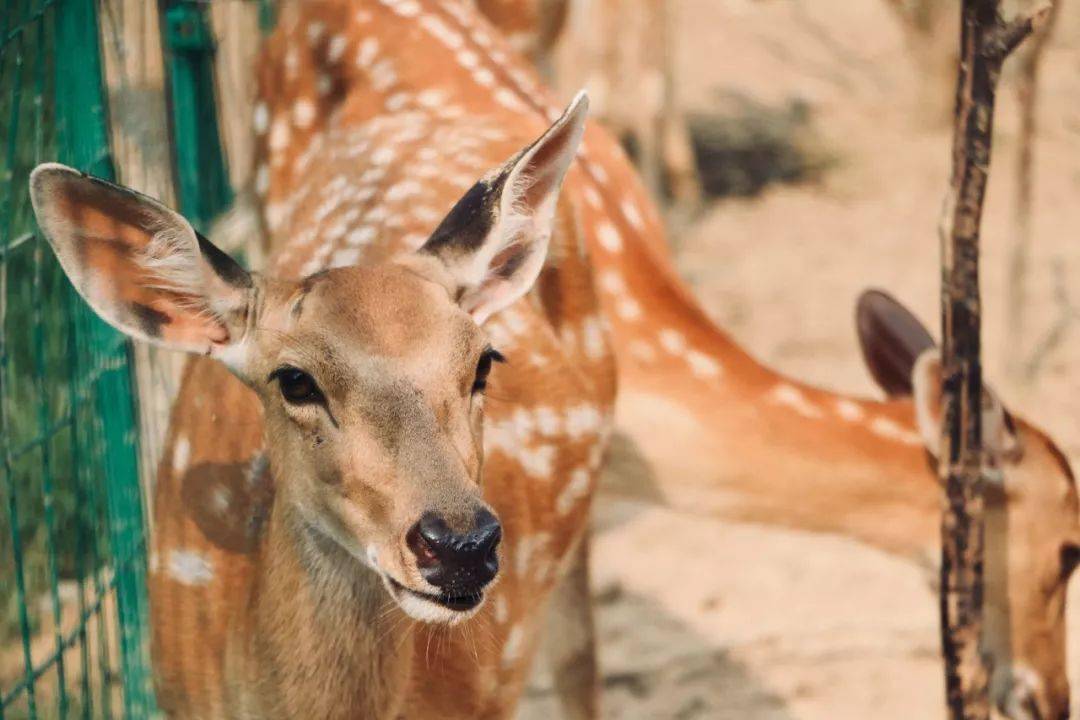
{"points": [[985, 41]]}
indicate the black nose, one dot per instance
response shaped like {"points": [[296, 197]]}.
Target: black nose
{"points": [[456, 562]]}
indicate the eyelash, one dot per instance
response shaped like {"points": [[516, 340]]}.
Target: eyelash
{"points": [[483, 368]]}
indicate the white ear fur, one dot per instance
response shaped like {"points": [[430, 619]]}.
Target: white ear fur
{"points": [[495, 240], [926, 392]]}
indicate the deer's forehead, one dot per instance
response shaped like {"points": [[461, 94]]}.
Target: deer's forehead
{"points": [[382, 312]]}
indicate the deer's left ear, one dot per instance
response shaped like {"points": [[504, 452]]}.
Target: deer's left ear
{"points": [[494, 241]]}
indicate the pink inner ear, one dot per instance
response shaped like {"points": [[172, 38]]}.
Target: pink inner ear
{"points": [[507, 261]]}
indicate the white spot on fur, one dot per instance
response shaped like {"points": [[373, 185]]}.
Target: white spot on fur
{"points": [[628, 309], [892, 430], [365, 56], [315, 31], [336, 48], [484, 77], [702, 365], [262, 180], [345, 257], [792, 397], [181, 456], [608, 237], [612, 281], [383, 76], [467, 59], [383, 156], [442, 32], [303, 113], [189, 568], [849, 410], [515, 639], [575, 490], [502, 610], [592, 337], [528, 548], [260, 119], [509, 100], [582, 420], [360, 236], [672, 340], [403, 190], [397, 101], [633, 215], [548, 422], [593, 198], [279, 135]]}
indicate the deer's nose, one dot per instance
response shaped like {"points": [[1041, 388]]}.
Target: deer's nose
{"points": [[456, 562]]}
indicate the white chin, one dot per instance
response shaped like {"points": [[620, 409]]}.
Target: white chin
{"points": [[427, 611]]}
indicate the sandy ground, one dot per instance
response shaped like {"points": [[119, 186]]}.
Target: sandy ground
{"points": [[817, 626]]}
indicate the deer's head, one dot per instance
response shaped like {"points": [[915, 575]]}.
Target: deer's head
{"points": [[1032, 518], [371, 378]]}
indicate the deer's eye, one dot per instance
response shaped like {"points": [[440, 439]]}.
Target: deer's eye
{"points": [[297, 387], [483, 368]]}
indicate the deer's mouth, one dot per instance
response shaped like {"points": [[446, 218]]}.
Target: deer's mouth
{"points": [[436, 607]]}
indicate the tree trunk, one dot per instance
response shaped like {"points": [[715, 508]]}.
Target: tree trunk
{"points": [[985, 42]]}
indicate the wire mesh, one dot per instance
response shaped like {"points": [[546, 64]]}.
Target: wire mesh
{"points": [[72, 542]]}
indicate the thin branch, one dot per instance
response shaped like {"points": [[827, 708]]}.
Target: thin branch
{"points": [[985, 42], [1000, 41]]}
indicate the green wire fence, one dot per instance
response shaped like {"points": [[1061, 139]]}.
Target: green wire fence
{"points": [[73, 603]]}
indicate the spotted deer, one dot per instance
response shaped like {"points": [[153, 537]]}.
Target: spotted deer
{"points": [[337, 533], [427, 89]]}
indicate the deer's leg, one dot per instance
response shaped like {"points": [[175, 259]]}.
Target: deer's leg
{"points": [[570, 642]]}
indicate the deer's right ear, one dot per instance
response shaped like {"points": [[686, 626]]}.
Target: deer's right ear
{"points": [[494, 241], [140, 265]]}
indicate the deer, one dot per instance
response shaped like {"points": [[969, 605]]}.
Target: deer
{"points": [[719, 431], [335, 537]]}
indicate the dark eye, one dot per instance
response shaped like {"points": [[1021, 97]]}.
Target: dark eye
{"points": [[297, 387], [1070, 557], [483, 368]]}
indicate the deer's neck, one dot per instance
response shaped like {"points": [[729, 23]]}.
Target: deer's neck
{"points": [[326, 639]]}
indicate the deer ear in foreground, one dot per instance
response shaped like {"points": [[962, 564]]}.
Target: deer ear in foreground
{"points": [[494, 241], [140, 265]]}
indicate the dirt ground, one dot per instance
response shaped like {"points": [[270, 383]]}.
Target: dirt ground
{"points": [[818, 626]]}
